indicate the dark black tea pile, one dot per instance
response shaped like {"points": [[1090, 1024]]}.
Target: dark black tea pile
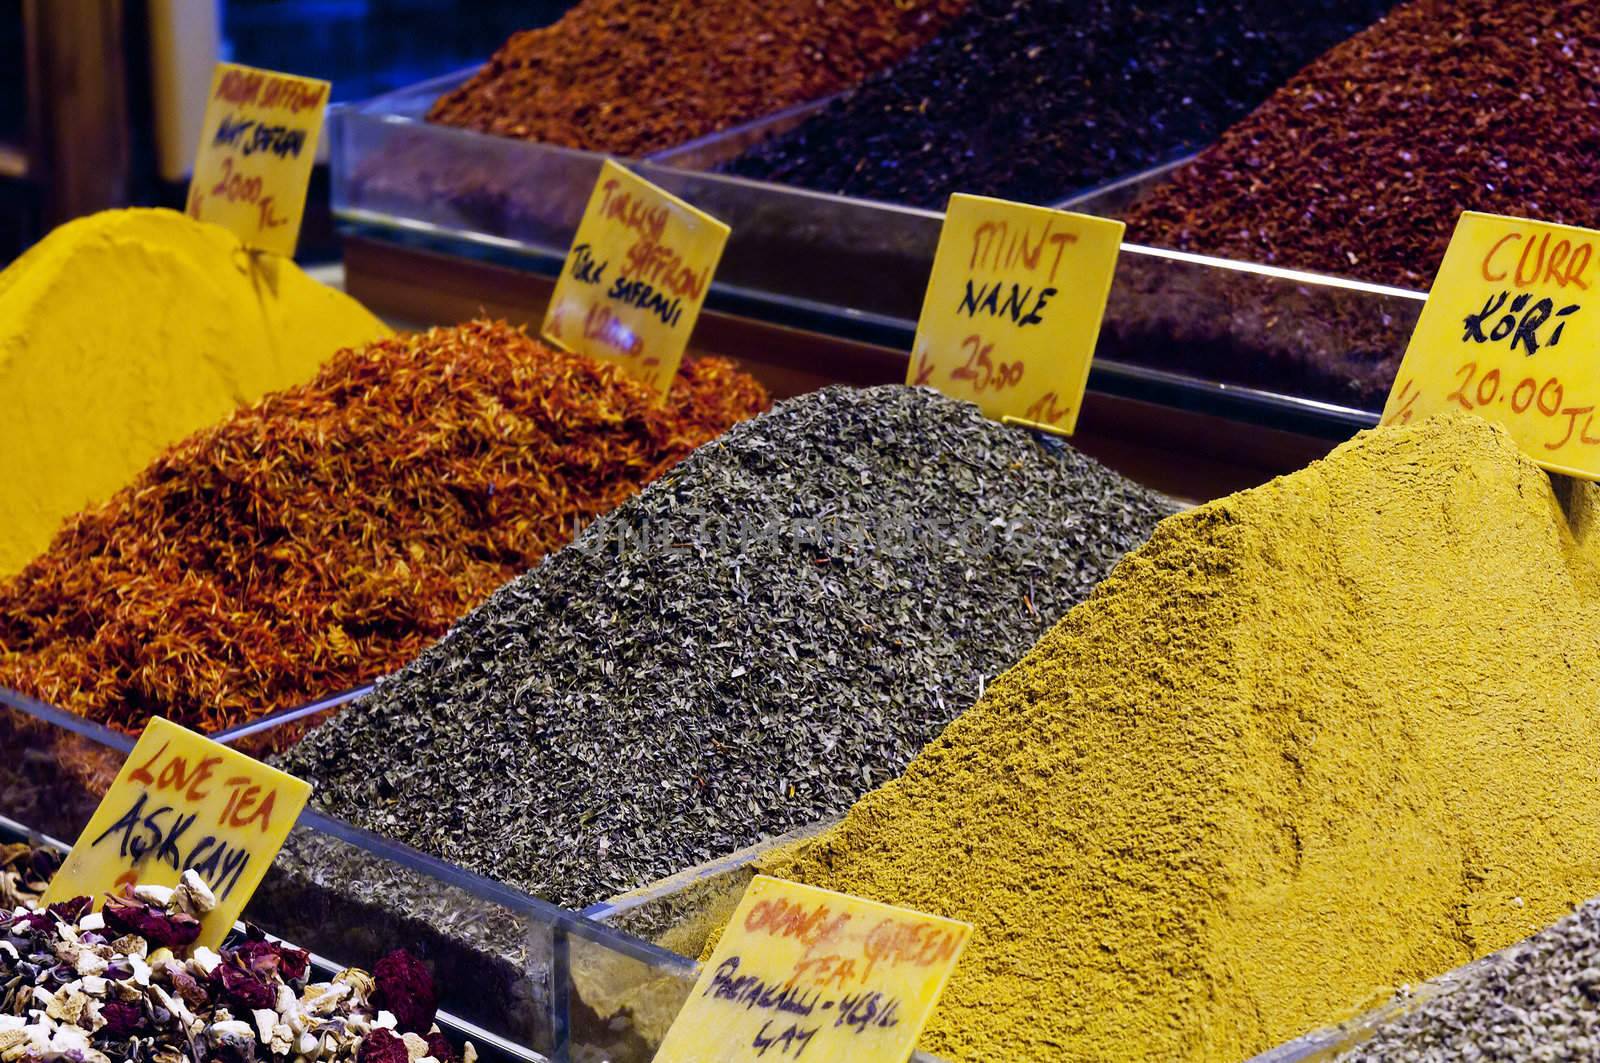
{"points": [[775, 627], [1036, 99]]}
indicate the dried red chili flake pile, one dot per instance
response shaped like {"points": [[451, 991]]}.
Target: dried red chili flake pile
{"points": [[1362, 163], [635, 76], [328, 533]]}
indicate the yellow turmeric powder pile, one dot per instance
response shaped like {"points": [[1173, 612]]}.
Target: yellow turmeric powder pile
{"points": [[1314, 740], [125, 331]]}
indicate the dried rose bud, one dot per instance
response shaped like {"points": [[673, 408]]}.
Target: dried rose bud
{"points": [[440, 1048], [185, 985], [122, 1020], [160, 929], [70, 911], [243, 987], [382, 1046], [406, 988], [266, 958]]}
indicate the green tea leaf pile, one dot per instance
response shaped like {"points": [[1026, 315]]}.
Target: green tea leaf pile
{"points": [[768, 631]]}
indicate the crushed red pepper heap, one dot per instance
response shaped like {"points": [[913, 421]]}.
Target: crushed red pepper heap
{"points": [[634, 76], [1362, 163], [327, 534]]}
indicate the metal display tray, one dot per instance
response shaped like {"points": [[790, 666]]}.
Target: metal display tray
{"points": [[525, 980], [1279, 348]]}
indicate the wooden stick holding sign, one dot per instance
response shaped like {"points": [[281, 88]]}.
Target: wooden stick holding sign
{"points": [[1509, 332], [257, 146], [182, 801], [633, 284], [1013, 309], [810, 974]]}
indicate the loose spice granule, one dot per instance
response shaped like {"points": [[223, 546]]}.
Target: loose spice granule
{"points": [[1362, 163], [1314, 741], [331, 531], [760, 636], [635, 76]]}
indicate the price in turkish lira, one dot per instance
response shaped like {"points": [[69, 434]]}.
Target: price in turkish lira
{"points": [[1013, 309], [1509, 333]]}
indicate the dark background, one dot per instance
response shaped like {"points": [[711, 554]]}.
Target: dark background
{"points": [[364, 47]]}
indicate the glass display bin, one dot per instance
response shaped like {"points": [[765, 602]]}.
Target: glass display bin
{"points": [[521, 978], [1276, 347]]}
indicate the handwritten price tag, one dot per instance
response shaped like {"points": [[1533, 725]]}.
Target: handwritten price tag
{"points": [[1510, 332], [182, 801], [1013, 309], [633, 284], [808, 973], [257, 146]]}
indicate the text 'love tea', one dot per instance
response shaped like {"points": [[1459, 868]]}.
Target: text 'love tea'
{"points": [[182, 801]]}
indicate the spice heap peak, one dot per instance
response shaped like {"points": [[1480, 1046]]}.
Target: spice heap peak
{"points": [[1034, 100], [1362, 163], [1346, 717], [121, 333], [635, 76], [329, 532], [769, 630]]}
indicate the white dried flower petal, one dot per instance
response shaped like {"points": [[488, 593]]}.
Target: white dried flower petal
{"points": [[193, 896], [174, 1004], [158, 896], [360, 982], [68, 1006], [131, 945], [92, 921], [384, 1021], [205, 959], [416, 1046], [90, 962]]}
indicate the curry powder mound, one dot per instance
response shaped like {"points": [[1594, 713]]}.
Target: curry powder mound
{"points": [[1313, 741], [121, 333], [328, 533]]}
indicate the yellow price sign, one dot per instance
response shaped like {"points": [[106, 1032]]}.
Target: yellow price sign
{"points": [[807, 973], [257, 146], [1013, 309], [633, 284], [182, 801], [1510, 332]]}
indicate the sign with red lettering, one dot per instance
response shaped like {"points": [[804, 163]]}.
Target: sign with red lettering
{"points": [[633, 284], [182, 801], [807, 973], [257, 146], [1509, 332], [1013, 309]]}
